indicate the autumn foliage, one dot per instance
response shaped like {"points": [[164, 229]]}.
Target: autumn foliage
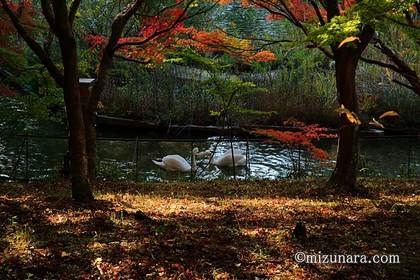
{"points": [[156, 36], [302, 138], [295, 10], [25, 12], [166, 32]]}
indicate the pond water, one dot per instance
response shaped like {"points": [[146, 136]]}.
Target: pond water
{"points": [[126, 159]]}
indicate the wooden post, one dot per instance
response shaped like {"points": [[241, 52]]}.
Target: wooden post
{"points": [[191, 159], [298, 174], [232, 153], [409, 158], [137, 158], [26, 157], [248, 165]]}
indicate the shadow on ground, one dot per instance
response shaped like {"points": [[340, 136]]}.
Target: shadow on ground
{"points": [[206, 231]]}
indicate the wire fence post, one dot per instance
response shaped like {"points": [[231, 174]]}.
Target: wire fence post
{"points": [[26, 157], [192, 160], [409, 158], [137, 159], [97, 159], [15, 164], [232, 153], [247, 164], [298, 164]]}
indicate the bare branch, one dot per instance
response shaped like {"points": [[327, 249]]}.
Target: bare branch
{"points": [[380, 63], [399, 65], [73, 10], [318, 12], [326, 52], [267, 42], [404, 85], [118, 24], [156, 33], [48, 14], [62, 24], [144, 62], [48, 42]]}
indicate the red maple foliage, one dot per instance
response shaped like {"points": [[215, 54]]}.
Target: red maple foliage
{"points": [[300, 10], [25, 11], [156, 35], [302, 138], [165, 32]]}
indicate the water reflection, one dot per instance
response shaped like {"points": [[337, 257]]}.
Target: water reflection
{"points": [[128, 160]]}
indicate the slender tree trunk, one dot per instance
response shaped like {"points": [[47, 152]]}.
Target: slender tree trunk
{"points": [[344, 176], [105, 65], [90, 128], [81, 190], [91, 107], [345, 172]]}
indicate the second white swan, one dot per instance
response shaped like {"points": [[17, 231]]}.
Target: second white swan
{"points": [[226, 160]]}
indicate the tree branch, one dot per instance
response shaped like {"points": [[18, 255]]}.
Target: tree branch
{"points": [[132, 59], [48, 14], [399, 66], [73, 10], [380, 63], [404, 85], [34, 46], [62, 24], [397, 60], [318, 12], [118, 25], [156, 33]]}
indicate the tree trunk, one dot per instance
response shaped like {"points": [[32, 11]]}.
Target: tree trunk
{"points": [[91, 107], [89, 121], [60, 20], [81, 189], [344, 176], [345, 172]]}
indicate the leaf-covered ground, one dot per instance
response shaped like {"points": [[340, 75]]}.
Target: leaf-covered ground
{"points": [[207, 230]]}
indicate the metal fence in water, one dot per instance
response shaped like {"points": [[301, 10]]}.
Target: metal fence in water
{"points": [[31, 157]]}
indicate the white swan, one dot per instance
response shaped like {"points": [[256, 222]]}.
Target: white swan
{"points": [[178, 163], [226, 159]]}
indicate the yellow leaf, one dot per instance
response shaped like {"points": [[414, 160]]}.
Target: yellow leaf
{"points": [[350, 116], [100, 105], [389, 114], [342, 109], [388, 73], [64, 254], [348, 40], [214, 113]]}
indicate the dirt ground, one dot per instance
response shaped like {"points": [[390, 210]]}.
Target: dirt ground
{"points": [[208, 230]]}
